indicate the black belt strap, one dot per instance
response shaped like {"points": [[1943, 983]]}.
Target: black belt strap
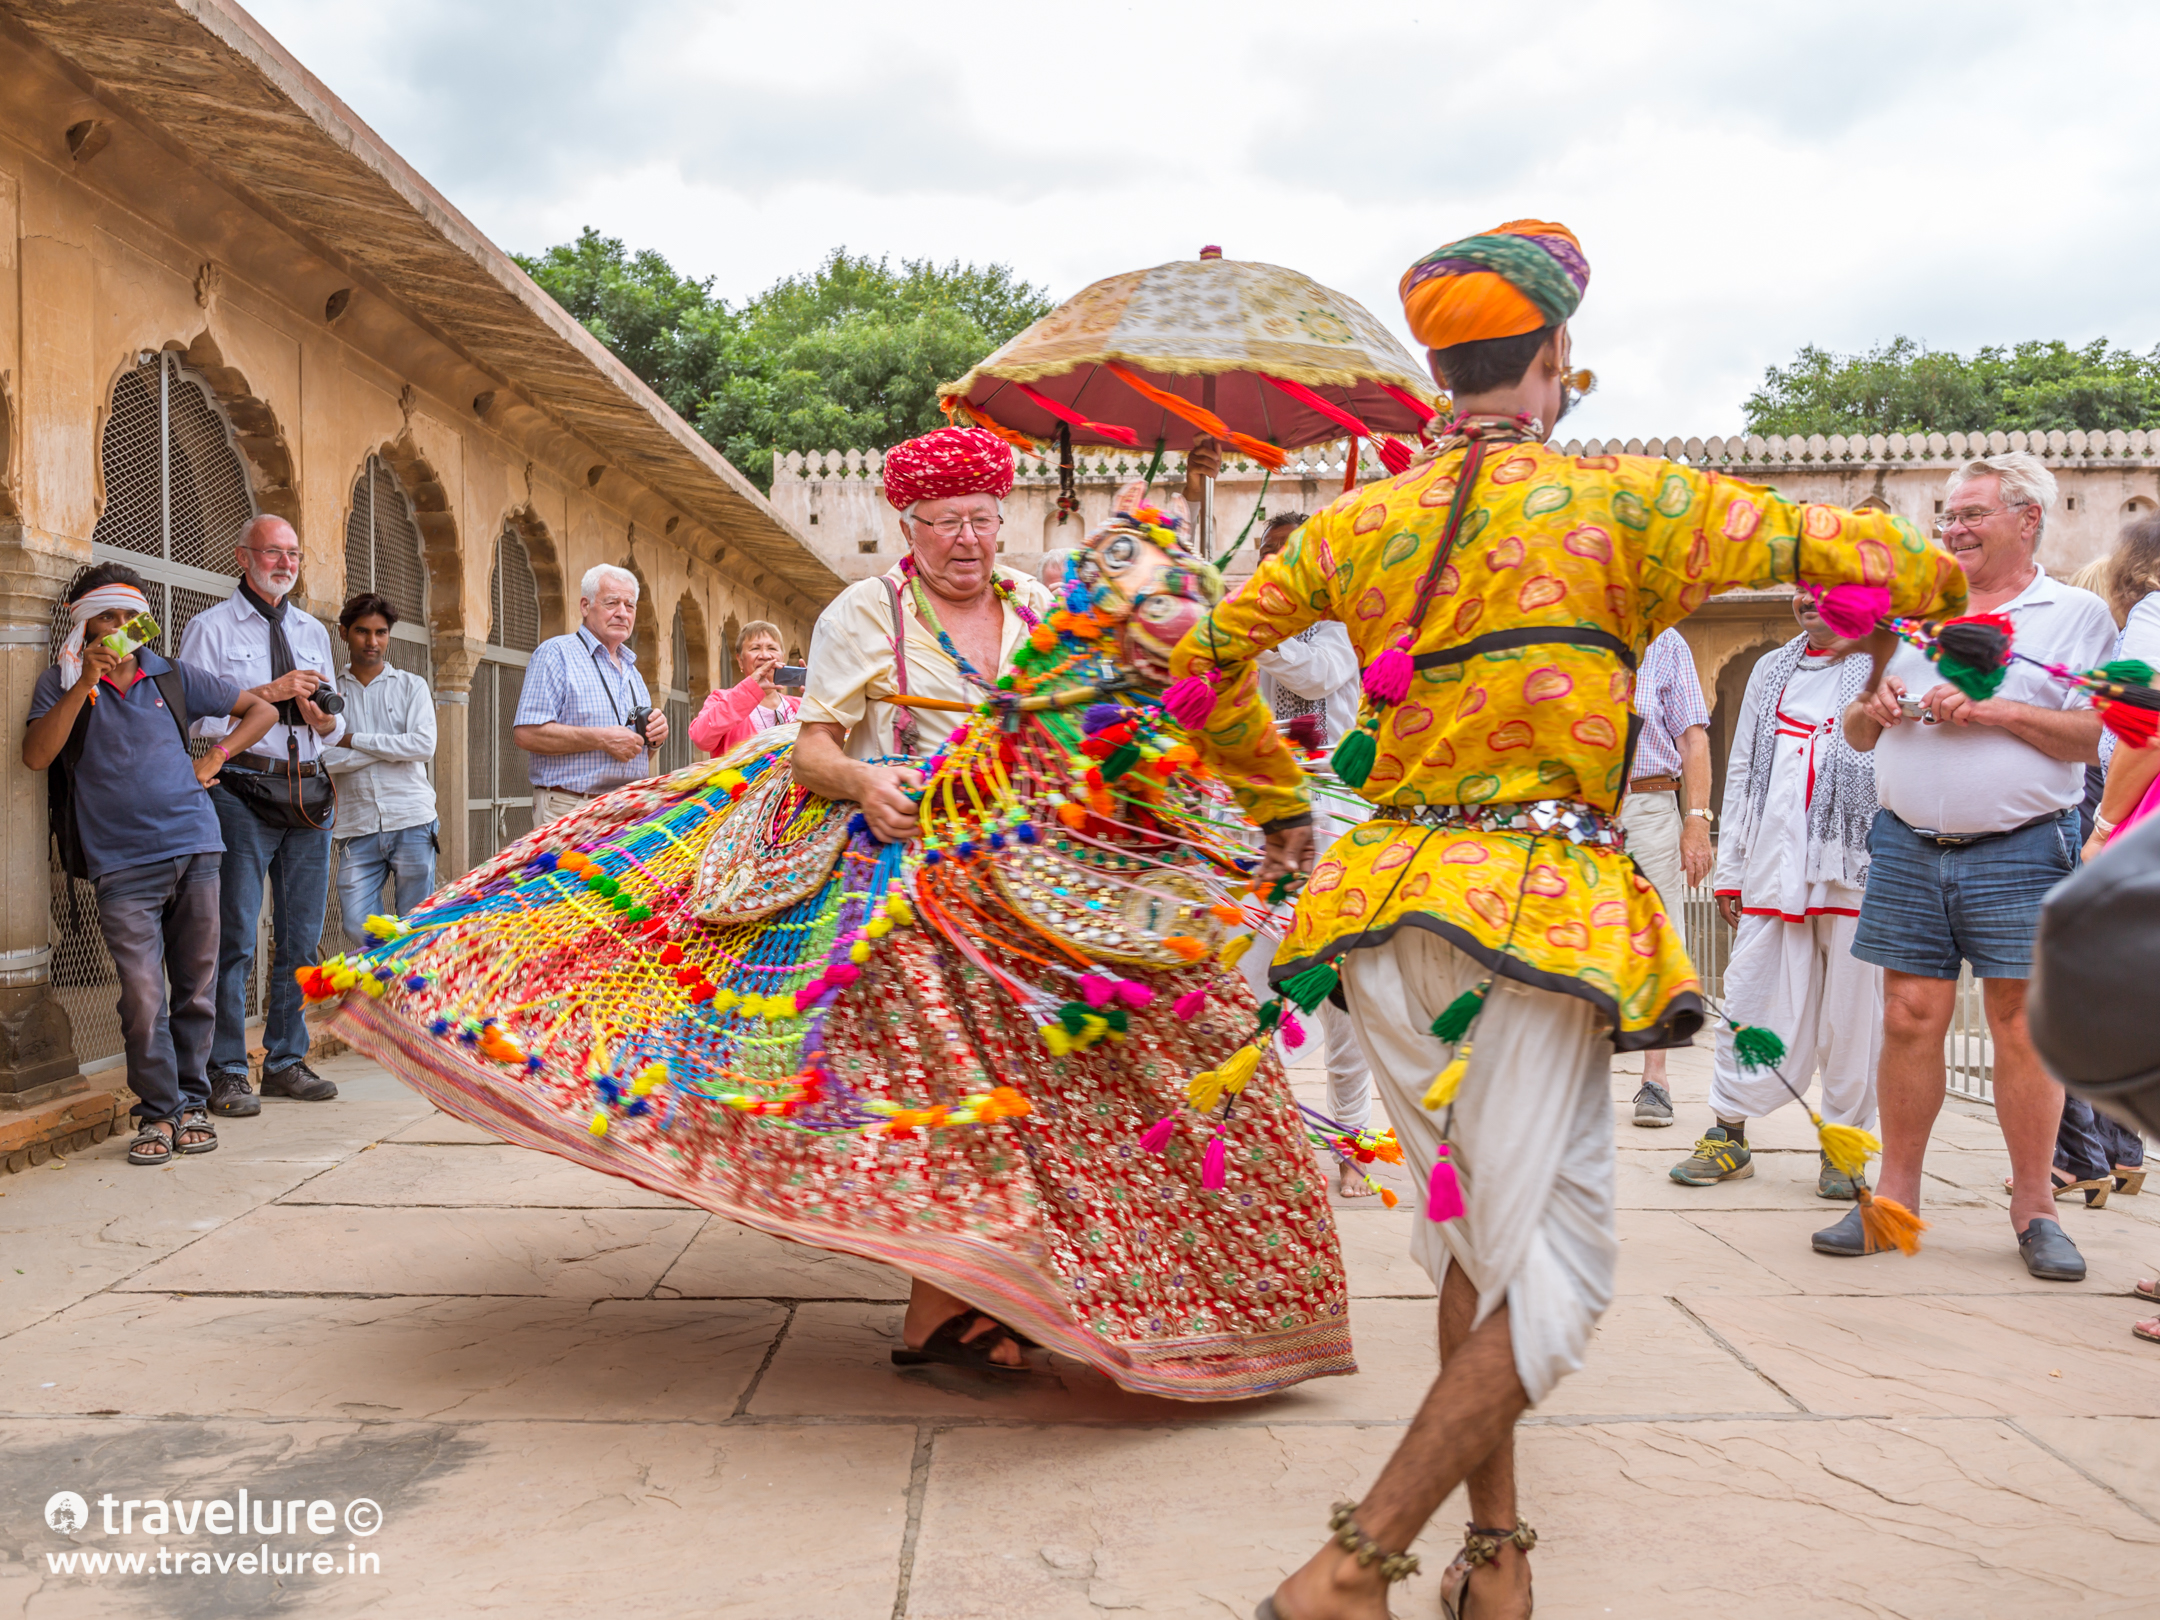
{"points": [[1526, 636]]}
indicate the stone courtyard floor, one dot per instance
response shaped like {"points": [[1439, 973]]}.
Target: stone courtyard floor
{"points": [[571, 1397]]}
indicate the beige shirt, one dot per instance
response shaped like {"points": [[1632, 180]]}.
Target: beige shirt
{"points": [[851, 665]]}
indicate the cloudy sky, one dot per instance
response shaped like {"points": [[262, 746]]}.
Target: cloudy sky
{"points": [[1745, 178]]}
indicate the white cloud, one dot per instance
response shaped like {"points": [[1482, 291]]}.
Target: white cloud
{"points": [[1745, 179]]}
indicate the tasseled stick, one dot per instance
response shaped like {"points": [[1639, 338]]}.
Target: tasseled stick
{"points": [[1888, 1224], [1443, 1192]]}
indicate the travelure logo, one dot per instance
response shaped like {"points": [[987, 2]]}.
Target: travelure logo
{"points": [[66, 1512]]}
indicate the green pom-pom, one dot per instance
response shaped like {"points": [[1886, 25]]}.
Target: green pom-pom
{"points": [[1117, 1018], [1977, 684], [1757, 1048], [1354, 756], [1310, 988], [640, 913], [1074, 1016], [1122, 759], [1454, 1023], [2129, 671], [1281, 890], [1270, 1014]]}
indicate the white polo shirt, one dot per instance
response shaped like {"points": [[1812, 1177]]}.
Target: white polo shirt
{"points": [[1981, 779]]}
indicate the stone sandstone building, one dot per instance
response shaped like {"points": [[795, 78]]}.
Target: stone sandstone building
{"points": [[221, 294]]}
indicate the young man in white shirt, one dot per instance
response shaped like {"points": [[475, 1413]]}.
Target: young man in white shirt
{"points": [[1791, 870], [386, 806], [1979, 820]]}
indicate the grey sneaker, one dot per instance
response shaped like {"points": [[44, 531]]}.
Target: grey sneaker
{"points": [[1717, 1157], [300, 1083], [1831, 1182], [1653, 1105]]}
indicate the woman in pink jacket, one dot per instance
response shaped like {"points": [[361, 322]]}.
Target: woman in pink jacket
{"points": [[755, 704]]}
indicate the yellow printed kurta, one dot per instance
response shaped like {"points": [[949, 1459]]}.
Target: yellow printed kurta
{"points": [[1610, 550]]}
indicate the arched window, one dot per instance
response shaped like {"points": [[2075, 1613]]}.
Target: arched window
{"points": [[383, 555], [498, 803], [677, 751], [176, 498]]}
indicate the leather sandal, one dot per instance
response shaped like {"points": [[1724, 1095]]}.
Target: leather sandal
{"points": [[198, 1120], [1480, 1546], [153, 1143], [946, 1348], [2129, 1179]]}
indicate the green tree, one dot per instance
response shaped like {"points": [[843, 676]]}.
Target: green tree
{"points": [[1904, 387], [848, 356]]}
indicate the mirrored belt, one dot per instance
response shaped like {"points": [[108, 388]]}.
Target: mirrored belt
{"points": [[1571, 819]]}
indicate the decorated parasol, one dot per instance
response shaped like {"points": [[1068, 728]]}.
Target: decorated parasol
{"points": [[1260, 358]]}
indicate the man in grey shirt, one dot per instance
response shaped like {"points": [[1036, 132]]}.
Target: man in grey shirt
{"points": [[386, 822]]}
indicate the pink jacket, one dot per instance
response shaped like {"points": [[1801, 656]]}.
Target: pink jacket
{"points": [[726, 721]]}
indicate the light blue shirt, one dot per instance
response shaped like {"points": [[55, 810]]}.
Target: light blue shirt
{"points": [[571, 682]]}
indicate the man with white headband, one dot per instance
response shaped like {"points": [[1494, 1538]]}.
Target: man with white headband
{"points": [[132, 816], [275, 807]]}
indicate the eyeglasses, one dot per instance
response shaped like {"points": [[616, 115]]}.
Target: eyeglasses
{"points": [[949, 528], [277, 553], [1970, 518]]}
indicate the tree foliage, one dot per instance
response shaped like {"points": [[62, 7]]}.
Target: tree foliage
{"points": [[847, 356], [1904, 387]]}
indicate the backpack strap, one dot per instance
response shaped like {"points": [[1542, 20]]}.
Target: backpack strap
{"points": [[173, 688]]}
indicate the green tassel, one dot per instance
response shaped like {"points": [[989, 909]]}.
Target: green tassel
{"points": [[1977, 684], [1354, 757], [1282, 888], [1270, 1014], [1454, 1023], [1117, 1018], [1074, 1016], [1757, 1048], [1310, 988], [2130, 671], [1122, 759]]}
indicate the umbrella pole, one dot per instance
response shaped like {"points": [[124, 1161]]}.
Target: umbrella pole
{"points": [[1207, 485]]}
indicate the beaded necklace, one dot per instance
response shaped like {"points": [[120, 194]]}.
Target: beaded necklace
{"points": [[1006, 593]]}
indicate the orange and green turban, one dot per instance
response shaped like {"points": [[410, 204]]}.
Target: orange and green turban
{"points": [[1516, 278]]}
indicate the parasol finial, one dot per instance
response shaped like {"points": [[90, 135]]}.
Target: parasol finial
{"points": [[1211, 251]]}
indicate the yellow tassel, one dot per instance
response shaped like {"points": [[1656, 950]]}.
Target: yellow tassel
{"points": [[1847, 1147], [599, 1124], [752, 1006], [1234, 948], [1449, 1080], [1054, 1037], [724, 999], [779, 1007], [1239, 1069], [372, 985], [879, 927], [1205, 1091], [1888, 1224], [1091, 1031], [901, 912], [859, 952], [650, 1079]]}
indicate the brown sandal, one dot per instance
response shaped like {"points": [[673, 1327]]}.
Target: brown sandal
{"points": [[1480, 1546], [153, 1143]]}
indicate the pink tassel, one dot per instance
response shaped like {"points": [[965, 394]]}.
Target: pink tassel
{"points": [[1212, 1173], [811, 991], [1134, 994], [1851, 610], [1293, 1032], [1098, 991], [1157, 1139], [1394, 456], [1187, 1007], [1443, 1194], [1191, 700], [842, 973], [1387, 678]]}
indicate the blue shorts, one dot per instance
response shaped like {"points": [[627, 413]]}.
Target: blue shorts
{"points": [[1930, 906]]}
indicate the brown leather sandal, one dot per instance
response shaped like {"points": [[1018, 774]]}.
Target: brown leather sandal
{"points": [[1480, 1546]]}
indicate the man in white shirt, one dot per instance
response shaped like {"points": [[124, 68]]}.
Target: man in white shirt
{"points": [[1313, 684], [274, 810], [1979, 820], [1791, 870], [386, 805]]}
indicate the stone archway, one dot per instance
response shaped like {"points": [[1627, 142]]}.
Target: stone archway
{"points": [[1732, 679], [695, 676], [730, 640], [255, 429], [546, 559], [645, 636], [440, 546]]}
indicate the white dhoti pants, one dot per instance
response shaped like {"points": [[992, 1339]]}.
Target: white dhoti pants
{"points": [[1349, 1085], [1801, 981], [1531, 1133]]}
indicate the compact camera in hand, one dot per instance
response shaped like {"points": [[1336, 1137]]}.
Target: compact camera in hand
{"points": [[791, 676], [640, 718]]}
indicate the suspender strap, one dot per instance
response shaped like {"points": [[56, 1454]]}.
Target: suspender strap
{"points": [[1527, 636], [904, 719]]}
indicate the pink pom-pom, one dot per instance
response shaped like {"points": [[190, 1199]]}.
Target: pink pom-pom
{"points": [[1158, 1135], [1134, 994], [1443, 1194], [811, 991], [1293, 1032], [1187, 1007], [1098, 991], [1851, 610], [1212, 1165], [1191, 700], [1387, 678], [842, 973]]}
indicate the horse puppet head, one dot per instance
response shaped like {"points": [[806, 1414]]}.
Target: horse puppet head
{"points": [[1137, 572]]}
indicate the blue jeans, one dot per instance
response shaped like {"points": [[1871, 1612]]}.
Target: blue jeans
{"points": [[297, 862], [160, 922], [1930, 906], [364, 861]]}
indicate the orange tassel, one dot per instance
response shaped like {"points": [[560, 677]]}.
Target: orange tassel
{"points": [[1073, 815], [1186, 946], [1267, 455], [1888, 1224], [1388, 1198], [1230, 914]]}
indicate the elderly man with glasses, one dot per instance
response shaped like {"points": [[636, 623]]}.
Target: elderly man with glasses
{"points": [[1978, 821]]}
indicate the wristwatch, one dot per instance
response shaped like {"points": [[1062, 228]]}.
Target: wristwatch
{"points": [[1707, 815]]}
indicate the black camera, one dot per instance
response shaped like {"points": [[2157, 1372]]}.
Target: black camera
{"points": [[328, 699], [640, 718]]}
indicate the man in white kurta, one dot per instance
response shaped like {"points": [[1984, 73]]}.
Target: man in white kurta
{"points": [[1791, 869]]}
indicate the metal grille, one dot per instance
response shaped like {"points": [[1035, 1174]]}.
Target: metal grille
{"points": [[383, 554], [498, 785], [176, 498], [677, 751]]}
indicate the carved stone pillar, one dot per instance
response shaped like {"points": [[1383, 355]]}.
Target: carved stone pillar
{"points": [[454, 664]]}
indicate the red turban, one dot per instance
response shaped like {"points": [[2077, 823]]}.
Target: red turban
{"points": [[952, 461]]}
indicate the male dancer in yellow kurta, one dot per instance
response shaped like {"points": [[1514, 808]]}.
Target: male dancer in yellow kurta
{"points": [[1488, 904]]}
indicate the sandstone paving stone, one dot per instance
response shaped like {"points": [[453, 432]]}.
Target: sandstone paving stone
{"points": [[627, 1360], [519, 1519], [1662, 1251], [726, 1261], [439, 1127], [2122, 1453], [1376, 1251], [569, 1254], [1781, 1180], [419, 1175], [2007, 1355]]}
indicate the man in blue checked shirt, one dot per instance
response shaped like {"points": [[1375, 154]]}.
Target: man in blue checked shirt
{"points": [[580, 692], [1666, 813]]}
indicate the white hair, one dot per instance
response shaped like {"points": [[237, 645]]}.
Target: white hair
{"points": [[2020, 476], [598, 575]]}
